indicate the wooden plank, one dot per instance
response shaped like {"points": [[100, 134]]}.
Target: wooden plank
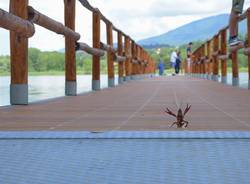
{"points": [[110, 59], [19, 45], [14, 23], [96, 44], [70, 54]]}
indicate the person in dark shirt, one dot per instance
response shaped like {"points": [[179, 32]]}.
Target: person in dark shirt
{"points": [[178, 63], [237, 9], [189, 56], [189, 50]]}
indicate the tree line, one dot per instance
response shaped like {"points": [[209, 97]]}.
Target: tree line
{"points": [[40, 61], [165, 53]]}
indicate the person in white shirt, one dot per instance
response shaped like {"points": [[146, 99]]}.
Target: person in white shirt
{"points": [[173, 58]]}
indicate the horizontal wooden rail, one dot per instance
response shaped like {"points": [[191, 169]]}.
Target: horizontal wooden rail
{"points": [[107, 47], [14, 23], [216, 53], [50, 24], [224, 57], [237, 47], [20, 21], [221, 53], [120, 58], [247, 51], [90, 50], [134, 61], [87, 5]]}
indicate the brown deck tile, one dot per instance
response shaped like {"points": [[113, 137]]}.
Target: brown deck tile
{"points": [[137, 105]]}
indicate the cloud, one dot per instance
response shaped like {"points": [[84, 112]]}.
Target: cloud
{"points": [[137, 18]]}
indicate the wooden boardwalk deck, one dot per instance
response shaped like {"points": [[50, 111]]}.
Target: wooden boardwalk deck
{"points": [[137, 105]]}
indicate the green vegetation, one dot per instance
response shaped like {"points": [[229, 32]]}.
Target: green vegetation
{"points": [[53, 63], [164, 54]]}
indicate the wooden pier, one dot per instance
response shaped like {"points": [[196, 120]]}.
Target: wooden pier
{"points": [[136, 105]]}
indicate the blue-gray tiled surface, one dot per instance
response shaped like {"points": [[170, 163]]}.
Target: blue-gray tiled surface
{"points": [[124, 160]]}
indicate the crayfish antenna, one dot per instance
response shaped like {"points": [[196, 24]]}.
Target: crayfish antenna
{"points": [[187, 109]]}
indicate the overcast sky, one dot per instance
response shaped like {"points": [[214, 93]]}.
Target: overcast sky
{"points": [[137, 18]]}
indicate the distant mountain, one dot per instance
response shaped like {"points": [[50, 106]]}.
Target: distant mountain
{"points": [[195, 31]]}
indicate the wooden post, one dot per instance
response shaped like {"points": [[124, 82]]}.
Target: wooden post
{"points": [[215, 60], [203, 61], [133, 52], [96, 85], [19, 57], [248, 40], [223, 40], [235, 68], [137, 58], [110, 59], [70, 54], [200, 64], [127, 63], [120, 53], [209, 64]]}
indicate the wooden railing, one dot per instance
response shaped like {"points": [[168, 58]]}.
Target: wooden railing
{"points": [[206, 58], [133, 61]]}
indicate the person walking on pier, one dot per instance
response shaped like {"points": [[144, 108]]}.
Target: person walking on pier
{"points": [[161, 67], [189, 55], [237, 9], [178, 63], [173, 58]]}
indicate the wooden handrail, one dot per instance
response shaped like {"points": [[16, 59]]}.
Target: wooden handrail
{"points": [[90, 50], [14, 23], [120, 58], [87, 5], [50, 24], [107, 47], [132, 58], [222, 54]]}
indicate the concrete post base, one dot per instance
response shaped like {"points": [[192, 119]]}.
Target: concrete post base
{"points": [[215, 78], [111, 83], [235, 82], [133, 77], [224, 80], [19, 94], [96, 85], [70, 88], [120, 80], [205, 76], [127, 78]]}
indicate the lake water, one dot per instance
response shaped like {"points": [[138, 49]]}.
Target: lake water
{"points": [[47, 87]]}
